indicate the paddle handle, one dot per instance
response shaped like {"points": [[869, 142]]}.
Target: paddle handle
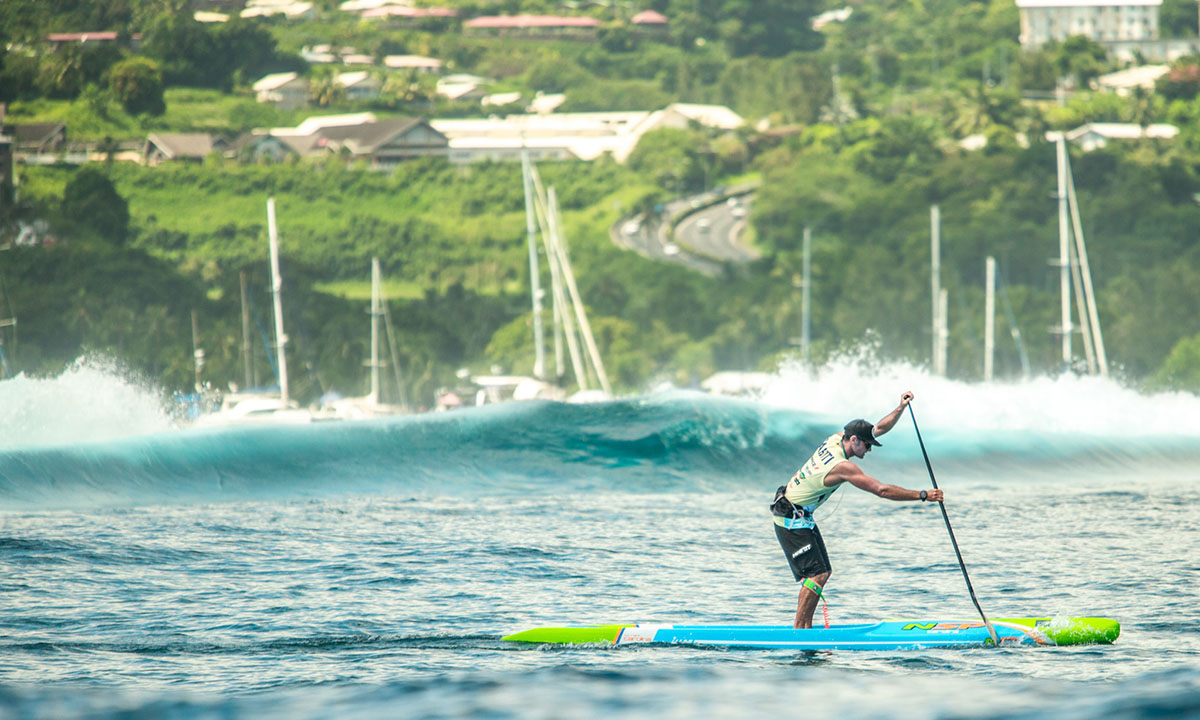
{"points": [[961, 565]]}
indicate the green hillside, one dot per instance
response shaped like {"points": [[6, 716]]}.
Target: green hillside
{"points": [[858, 134]]}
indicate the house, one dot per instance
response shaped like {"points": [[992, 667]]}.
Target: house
{"points": [[162, 147], [57, 40], [649, 18], [355, 6], [533, 26], [37, 138], [404, 12], [498, 99], [1124, 82], [318, 55], [418, 63], [360, 85], [712, 116], [260, 148], [288, 8], [544, 103], [650, 23], [828, 17], [461, 87], [285, 90], [385, 143], [1101, 20], [316, 123], [1092, 136]]}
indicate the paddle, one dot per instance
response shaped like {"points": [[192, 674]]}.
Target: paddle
{"points": [[962, 566]]}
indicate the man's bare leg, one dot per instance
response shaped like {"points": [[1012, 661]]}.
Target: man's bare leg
{"points": [[806, 602]]}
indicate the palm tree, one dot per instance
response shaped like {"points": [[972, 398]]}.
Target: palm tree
{"points": [[326, 91]]}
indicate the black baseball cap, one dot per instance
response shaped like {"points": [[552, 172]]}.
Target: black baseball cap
{"points": [[864, 430]]}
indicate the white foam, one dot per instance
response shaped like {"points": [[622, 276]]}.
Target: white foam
{"points": [[92, 400], [857, 386]]}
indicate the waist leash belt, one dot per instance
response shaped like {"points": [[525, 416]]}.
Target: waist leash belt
{"points": [[783, 507]]}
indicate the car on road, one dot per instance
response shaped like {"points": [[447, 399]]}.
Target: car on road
{"points": [[738, 211], [703, 224], [670, 249], [633, 227]]}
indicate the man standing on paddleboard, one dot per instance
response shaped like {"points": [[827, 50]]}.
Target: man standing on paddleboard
{"points": [[825, 472]]}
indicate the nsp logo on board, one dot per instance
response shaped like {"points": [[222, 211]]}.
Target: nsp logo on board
{"points": [[943, 626]]}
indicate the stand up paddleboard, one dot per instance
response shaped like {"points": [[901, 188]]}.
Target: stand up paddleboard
{"points": [[886, 635]]}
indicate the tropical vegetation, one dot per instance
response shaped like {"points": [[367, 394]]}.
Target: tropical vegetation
{"points": [[855, 131]]}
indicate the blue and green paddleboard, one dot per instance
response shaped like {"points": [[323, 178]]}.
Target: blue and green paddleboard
{"points": [[886, 635]]}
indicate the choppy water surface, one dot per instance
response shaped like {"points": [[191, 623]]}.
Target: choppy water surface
{"points": [[368, 570]]}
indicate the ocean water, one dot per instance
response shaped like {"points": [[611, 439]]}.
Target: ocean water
{"points": [[362, 570]]}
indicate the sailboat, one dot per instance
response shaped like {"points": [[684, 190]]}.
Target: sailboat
{"points": [[370, 405], [267, 406], [570, 320]]}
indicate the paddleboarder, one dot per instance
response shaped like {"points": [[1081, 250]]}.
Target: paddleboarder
{"points": [[826, 471]]}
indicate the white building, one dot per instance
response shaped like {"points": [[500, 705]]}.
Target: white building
{"points": [[360, 85], [1103, 21], [288, 8], [585, 136], [284, 90], [420, 63], [1124, 82], [1093, 136]]}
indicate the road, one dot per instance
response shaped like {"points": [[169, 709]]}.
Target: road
{"points": [[704, 240], [714, 231]]}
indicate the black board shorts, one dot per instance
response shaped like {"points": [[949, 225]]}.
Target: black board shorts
{"points": [[805, 551]]}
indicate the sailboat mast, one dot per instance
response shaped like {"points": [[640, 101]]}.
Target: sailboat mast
{"points": [[568, 275], [1064, 252], [535, 289], [246, 360], [277, 296], [1086, 272], [376, 282]]}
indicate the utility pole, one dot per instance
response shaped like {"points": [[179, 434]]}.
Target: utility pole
{"points": [[943, 331], [935, 289], [197, 351], [989, 320], [806, 302]]}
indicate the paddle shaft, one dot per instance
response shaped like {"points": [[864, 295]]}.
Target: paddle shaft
{"points": [[961, 565]]}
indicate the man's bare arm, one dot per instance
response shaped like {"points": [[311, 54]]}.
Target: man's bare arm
{"points": [[853, 474], [887, 422]]}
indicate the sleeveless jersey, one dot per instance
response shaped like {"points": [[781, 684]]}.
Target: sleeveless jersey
{"points": [[806, 490]]}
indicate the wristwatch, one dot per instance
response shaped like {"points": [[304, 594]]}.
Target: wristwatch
{"points": [[924, 495]]}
